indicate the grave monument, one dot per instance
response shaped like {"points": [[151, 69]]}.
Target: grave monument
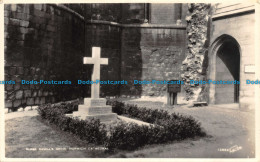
{"points": [[95, 107]]}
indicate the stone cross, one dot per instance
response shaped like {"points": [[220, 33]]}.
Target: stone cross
{"points": [[97, 61]]}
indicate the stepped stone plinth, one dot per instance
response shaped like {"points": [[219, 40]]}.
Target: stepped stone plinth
{"points": [[95, 108]]}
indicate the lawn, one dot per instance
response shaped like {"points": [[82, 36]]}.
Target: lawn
{"points": [[23, 134], [227, 128]]}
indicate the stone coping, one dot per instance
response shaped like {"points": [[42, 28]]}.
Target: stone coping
{"points": [[146, 25], [34, 107], [131, 120], [60, 6], [21, 109]]}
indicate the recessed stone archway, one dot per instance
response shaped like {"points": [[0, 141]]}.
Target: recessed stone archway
{"points": [[224, 65]]}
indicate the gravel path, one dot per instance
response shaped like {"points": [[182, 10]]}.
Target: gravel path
{"points": [[227, 127]]}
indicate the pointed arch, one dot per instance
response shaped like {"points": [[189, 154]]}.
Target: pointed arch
{"points": [[218, 46]]}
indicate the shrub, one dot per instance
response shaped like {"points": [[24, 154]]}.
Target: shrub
{"points": [[178, 126], [117, 107], [90, 130], [127, 136]]}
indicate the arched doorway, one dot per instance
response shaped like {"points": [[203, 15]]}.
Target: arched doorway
{"points": [[225, 67]]}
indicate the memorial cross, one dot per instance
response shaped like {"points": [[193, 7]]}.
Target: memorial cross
{"points": [[97, 61]]}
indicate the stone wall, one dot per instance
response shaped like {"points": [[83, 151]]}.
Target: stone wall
{"points": [[108, 37], [136, 52], [48, 42], [116, 12], [160, 13], [133, 13], [105, 12], [151, 53], [42, 42]]}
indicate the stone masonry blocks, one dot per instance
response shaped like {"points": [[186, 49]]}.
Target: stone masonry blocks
{"points": [[37, 37]]}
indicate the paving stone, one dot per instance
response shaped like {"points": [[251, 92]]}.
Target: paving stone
{"points": [[24, 101], [34, 107], [6, 21], [27, 108], [20, 70], [34, 94], [42, 100], [45, 93], [20, 109], [13, 7], [19, 94], [30, 101], [9, 87], [7, 7], [27, 93], [12, 71], [17, 103], [15, 22], [24, 23], [37, 101], [40, 93], [8, 103]]}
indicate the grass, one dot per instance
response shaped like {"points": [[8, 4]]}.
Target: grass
{"points": [[27, 132], [228, 128], [32, 132]]}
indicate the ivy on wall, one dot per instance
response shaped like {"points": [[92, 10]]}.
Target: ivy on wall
{"points": [[197, 33]]}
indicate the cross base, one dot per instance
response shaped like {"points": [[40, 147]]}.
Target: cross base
{"points": [[95, 108]]}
